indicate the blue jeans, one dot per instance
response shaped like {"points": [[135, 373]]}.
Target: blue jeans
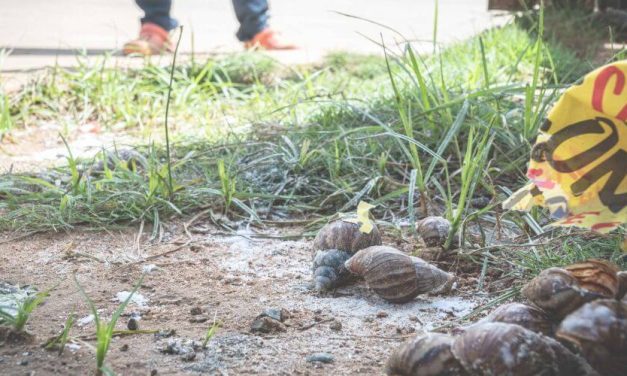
{"points": [[251, 14]]}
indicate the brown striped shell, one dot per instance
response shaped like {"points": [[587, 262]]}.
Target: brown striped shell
{"points": [[509, 349], [395, 276], [598, 331], [429, 355], [487, 349], [597, 276], [433, 230], [557, 291], [345, 236], [528, 317]]}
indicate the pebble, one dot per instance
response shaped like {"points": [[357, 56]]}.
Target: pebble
{"points": [[414, 318], [382, 314], [133, 324], [335, 325], [198, 319], [165, 333], [195, 311], [265, 324], [320, 357], [124, 347], [23, 362], [153, 372], [279, 314]]}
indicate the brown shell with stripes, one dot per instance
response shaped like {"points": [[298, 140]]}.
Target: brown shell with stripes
{"points": [[345, 236], [560, 291], [395, 276], [527, 316]]}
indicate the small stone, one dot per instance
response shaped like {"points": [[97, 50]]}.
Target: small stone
{"points": [[368, 319], [133, 324], [195, 311], [382, 314], [265, 324], [124, 347], [23, 362], [405, 329], [317, 318], [153, 372], [165, 333], [188, 356], [198, 319], [413, 318], [335, 325], [320, 357], [279, 314]]}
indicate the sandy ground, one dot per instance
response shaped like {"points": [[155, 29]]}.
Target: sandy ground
{"points": [[230, 278]]}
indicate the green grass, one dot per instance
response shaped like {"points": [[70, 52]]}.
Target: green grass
{"points": [[264, 143], [17, 316], [105, 330]]}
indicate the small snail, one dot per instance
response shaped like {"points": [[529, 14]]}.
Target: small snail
{"points": [[557, 291], [395, 276], [433, 230], [345, 236], [429, 355], [487, 349], [528, 317], [329, 270], [598, 330]]}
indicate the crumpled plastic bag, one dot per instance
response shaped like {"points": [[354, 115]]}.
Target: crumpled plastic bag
{"points": [[578, 164]]}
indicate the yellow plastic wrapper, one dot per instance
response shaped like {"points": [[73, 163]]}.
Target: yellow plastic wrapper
{"points": [[363, 217], [579, 161]]}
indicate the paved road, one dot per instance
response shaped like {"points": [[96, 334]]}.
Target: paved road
{"points": [[41, 32]]}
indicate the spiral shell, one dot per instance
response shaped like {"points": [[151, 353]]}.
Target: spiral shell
{"points": [[345, 236], [433, 230], [395, 276], [596, 276], [557, 291], [329, 270], [504, 349], [598, 330], [487, 349], [528, 317], [429, 355]]}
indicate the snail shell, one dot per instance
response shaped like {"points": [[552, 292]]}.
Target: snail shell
{"points": [[329, 270], [395, 276], [528, 317], [598, 330], [433, 230], [130, 157], [429, 355], [504, 349], [345, 236], [622, 289], [596, 276], [557, 291]]}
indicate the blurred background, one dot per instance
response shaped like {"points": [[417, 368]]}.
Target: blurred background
{"points": [[42, 32]]}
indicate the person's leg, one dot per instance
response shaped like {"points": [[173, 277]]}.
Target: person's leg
{"points": [[252, 16], [157, 12], [154, 33]]}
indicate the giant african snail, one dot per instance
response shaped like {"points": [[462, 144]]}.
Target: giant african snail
{"points": [[395, 276], [560, 291], [335, 243], [486, 349]]}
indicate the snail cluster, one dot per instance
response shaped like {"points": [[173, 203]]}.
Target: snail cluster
{"points": [[343, 252], [576, 324]]}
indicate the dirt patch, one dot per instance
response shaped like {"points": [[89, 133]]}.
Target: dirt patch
{"points": [[231, 278]]}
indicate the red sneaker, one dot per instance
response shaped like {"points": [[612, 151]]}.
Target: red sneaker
{"points": [[153, 40], [269, 39]]}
